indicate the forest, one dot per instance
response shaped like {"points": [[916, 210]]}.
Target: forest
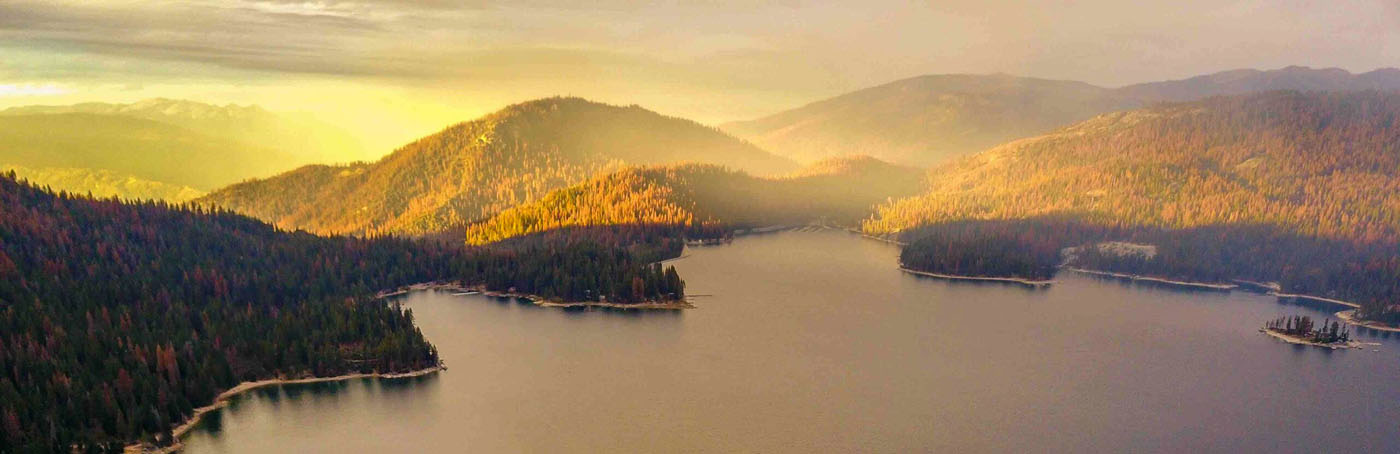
{"points": [[1315, 164], [117, 319], [1366, 274]]}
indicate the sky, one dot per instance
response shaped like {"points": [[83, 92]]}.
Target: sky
{"points": [[392, 70]]}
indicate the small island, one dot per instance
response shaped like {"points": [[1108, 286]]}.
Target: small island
{"points": [[1302, 330]]}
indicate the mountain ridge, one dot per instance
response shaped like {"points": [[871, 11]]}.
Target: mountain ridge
{"points": [[474, 169], [931, 119]]}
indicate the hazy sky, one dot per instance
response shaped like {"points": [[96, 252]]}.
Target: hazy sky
{"points": [[395, 69]]}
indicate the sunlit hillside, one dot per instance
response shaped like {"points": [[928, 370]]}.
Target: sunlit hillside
{"points": [[840, 190], [1323, 164], [478, 168]]}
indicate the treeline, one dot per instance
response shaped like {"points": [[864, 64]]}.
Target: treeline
{"points": [[118, 319], [962, 252], [1303, 327], [1366, 274]]}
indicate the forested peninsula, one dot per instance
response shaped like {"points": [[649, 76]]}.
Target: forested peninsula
{"points": [[118, 319]]}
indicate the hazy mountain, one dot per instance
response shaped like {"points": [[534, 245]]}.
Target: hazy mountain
{"points": [[103, 183], [1323, 164], [840, 190], [145, 149], [926, 119], [475, 169], [296, 135], [931, 119], [1242, 81], [165, 142]]}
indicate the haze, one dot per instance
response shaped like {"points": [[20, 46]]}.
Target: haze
{"points": [[393, 70]]}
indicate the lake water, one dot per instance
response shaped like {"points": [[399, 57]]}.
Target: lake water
{"points": [[816, 342]]}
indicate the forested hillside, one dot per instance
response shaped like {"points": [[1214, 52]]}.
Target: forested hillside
{"points": [[1299, 189], [117, 319], [932, 119], [1321, 164], [707, 197], [475, 169]]}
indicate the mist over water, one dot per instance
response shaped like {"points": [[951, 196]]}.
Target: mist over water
{"points": [[815, 341]]}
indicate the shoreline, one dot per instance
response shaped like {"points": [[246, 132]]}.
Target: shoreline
{"points": [[1135, 277], [1301, 341], [223, 399], [952, 277], [534, 299], [1348, 316]]}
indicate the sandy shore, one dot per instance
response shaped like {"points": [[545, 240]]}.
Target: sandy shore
{"points": [[1134, 277], [979, 278], [1300, 341], [222, 400], [1349, 316], [671, 305], [1317, 298], [536, 299]]}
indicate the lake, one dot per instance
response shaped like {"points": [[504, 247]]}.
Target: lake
{"points": [[815, 341]]}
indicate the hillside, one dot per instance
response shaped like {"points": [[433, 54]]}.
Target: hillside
{"points": [[932, 119], [1318, 164], [706, 196], [1244, 81], [103, 183], [478, 168], [924, 120]]}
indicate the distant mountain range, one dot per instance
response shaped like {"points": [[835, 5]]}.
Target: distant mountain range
{"points": [[932, 119], [166, 141], [102, 183], [476, 169], [1318, 164]]}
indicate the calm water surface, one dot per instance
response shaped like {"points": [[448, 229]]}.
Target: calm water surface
{"points": [[814, 341]]}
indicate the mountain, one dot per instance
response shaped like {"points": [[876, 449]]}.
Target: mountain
{"points": [[103, 183], [146, 149], [1316, 164], [1243, 81], [169, 142], [475, 169], [841, 190], [927, 119], [932, 119], [296, 135]]}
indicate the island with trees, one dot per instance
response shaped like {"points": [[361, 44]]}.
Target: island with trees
{"points": [[1302, 330]]}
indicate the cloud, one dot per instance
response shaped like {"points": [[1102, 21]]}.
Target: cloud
{"points": [[8, 90]]}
